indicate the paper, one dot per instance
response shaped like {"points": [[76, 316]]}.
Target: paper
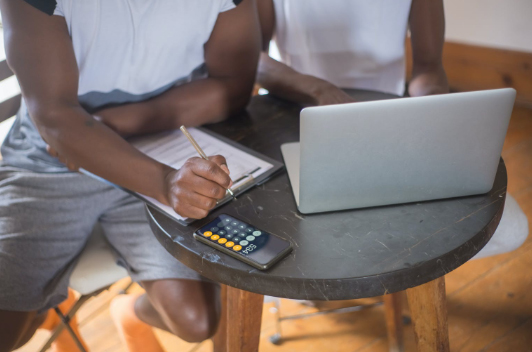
{"points": [[173, 149]]}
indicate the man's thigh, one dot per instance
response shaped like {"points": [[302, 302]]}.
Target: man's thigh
{"points": [[45, 221], [126, 227]]}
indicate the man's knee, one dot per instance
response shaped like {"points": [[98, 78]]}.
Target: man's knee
{"points": [[193, 324], [191, 309], [16, 328]]}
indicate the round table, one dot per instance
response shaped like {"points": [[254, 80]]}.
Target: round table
{"points": [[339, 255]]}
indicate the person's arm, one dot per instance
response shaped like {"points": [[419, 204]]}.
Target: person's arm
{"points": [[39, 50], [427, 29], [231, 56], [283, 81]]}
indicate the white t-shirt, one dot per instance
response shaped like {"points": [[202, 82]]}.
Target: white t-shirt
{"points": [[127, 51], [350, 43]]}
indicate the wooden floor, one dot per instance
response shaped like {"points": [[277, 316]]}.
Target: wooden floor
{"points": [[489, 300]]}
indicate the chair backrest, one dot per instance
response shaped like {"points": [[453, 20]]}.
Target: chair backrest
{"points": [[10, 106]]}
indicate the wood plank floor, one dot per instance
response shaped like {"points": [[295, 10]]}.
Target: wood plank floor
{"points": [[490, 300]]}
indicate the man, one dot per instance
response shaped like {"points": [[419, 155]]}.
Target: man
{"points": [[92, 72], [326, 46]]}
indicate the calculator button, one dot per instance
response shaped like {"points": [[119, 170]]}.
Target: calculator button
{"points": [[249, 229], [226, 221], [234, 223], [207, 234], [220, 224], [250, 238], [257, 233], [244, 243], [242, 226], [222, 240], [235, 231], [215, 229], [230, 244], [237, 248], [242, 235], [228, 228], [222, 232], [215, 237], [229, 236]]}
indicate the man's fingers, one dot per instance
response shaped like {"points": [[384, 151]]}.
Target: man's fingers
{"points": [[220, 160], [51, 151], [210, 171], [206, 187], [196, 200]]}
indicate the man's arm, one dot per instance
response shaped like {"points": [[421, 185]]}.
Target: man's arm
{"points": [[231, 56], [427, 30], [285, 82], [39, 50]]}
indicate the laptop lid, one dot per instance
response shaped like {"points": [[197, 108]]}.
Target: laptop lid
{"points": [[402, 150]]}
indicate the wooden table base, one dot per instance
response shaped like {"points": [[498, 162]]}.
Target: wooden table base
{"points": [[393, 310], [428, 308]]}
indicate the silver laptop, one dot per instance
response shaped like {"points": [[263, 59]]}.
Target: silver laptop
{"points": [[398, 151]]}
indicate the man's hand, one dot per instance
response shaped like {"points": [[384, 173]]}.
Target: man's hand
{"points": [[428, 83], [194, 190], [326, 93], [71, 166]]}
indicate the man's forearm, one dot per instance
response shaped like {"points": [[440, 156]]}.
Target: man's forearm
{"points": [[196, 103], [285, 82], [91, 145]]}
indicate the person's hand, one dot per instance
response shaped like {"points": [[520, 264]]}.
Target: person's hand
{"points": [[194, 190], [71, 166], [326, 93], [428, 82]]}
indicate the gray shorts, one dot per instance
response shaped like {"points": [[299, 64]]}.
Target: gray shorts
{"points": [[45, 221]]}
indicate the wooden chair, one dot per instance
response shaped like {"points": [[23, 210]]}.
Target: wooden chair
{"points": [[96, 269]]}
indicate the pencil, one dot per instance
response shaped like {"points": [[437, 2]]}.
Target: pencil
{"points": [[200, 151]]}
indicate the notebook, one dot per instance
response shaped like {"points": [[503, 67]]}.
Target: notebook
{"points": [[248, 168]]}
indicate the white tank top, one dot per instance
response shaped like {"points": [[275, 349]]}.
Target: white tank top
{"points": [[350, 43], [127, 51]]}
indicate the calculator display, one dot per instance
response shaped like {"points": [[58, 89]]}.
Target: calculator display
{"points": [[237, 237]]}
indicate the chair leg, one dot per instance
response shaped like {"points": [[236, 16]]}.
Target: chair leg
{"points": [[66, 323], [219, 340], [60, 327], [245, 313], [429, 315], [394, 320]]}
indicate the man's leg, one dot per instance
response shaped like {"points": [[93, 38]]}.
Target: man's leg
{"points": [[44, 224], [177, 298], [17, 328], [189, 309]]}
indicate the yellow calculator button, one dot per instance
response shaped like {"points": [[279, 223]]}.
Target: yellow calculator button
{"points": [[230, 244], [214, 237], [222, 240], [237, 247], [207, 234]]}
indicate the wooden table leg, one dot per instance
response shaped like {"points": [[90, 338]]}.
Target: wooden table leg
{"points": [[219, 340], [429, 315], [244, 312], [394, 320]]}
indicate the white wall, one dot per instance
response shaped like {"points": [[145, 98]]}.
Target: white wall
{"points": [[504, 24]]}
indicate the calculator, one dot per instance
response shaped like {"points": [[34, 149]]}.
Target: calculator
{"points": [[243, 241]]}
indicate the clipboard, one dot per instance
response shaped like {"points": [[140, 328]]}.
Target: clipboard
{"points": [[260, 170]]}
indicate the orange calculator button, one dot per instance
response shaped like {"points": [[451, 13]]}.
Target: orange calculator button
{"points": [[222, 240], [237, 247], [207, 234], [214, 237], [230, 244]]}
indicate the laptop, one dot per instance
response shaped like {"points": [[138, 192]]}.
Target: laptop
{"points": [[398, 151]]}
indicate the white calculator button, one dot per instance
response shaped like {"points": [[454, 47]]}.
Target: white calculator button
{"points": [[250, 238], [244, 243], [257, 233]]}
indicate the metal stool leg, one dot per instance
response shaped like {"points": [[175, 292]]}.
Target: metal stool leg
{"points": [[66, 323]]}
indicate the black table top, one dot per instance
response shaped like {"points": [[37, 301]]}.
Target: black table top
{"points": [[339, 255]]}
